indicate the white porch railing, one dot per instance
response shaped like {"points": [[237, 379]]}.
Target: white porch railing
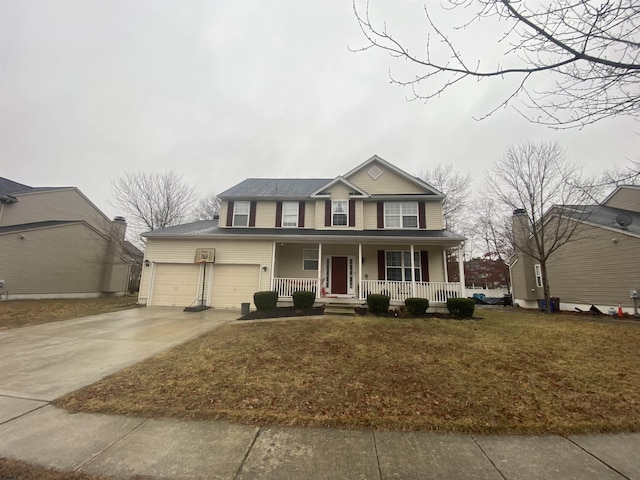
{"points": [[286, 286], [399, 291]]}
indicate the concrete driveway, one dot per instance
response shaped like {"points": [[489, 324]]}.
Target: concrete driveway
{"points": [[45, 361]]}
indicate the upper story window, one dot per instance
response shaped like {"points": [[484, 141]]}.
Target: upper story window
{"points": [[289, 214], [401, 214], [340, 213], [241, 214]]}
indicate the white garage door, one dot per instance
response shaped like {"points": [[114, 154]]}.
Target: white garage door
{"points": [[234, 285], [176, 284]]}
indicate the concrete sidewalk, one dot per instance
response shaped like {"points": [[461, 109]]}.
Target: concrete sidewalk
{"points": [[39, 433]]}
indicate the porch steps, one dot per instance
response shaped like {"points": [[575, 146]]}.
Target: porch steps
{"points": [[339, 309]]}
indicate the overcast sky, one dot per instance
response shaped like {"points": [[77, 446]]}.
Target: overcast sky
{"points": [[224, 90]]}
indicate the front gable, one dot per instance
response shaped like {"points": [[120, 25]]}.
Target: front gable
{"points": [[378, 177], [339, 188]]}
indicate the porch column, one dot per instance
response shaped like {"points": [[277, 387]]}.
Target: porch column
{"points": [[319, 288], [413, 274], [360, 271], [446, 270], [463, 290], [273, 265]]}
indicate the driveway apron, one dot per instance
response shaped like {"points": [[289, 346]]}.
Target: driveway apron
{"points": [[43, 362]]}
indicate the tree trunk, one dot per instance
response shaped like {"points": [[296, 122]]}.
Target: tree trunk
{"points": [[545, 287]]}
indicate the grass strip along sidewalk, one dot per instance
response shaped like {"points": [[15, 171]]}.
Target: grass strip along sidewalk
{"points": [[24, 313], [507, 373]]}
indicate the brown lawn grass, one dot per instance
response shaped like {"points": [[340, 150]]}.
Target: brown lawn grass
{"points": [[23, 313], [17, 470], [507, 373]]}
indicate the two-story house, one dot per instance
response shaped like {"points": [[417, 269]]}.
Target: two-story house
{"points": [[54, 242], [375, 229]]}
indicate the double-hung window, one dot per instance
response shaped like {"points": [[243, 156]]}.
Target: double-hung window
{"points": [[241, 214], [401, 214], [340, 213], [289, 214], [310, 259], [398, 266]]}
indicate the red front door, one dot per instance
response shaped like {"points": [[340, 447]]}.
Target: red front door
{"points": [[339, 275]]}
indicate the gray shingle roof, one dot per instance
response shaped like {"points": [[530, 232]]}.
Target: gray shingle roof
{"points": [[7, 187], [275, 187], [606, 217]]}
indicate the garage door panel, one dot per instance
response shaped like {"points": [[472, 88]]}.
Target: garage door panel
{"points": [[234, 285], [175, 285]]}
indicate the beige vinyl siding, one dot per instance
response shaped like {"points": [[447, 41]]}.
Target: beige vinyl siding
{"points": [[68, 204], [289, 261], [234, 285], [388, 183], [320, 214], [240, 252], [339, 191], [176, 284], [370, 215], [594, 269], [433, 214], [65, 259], [265, 214], [310, 215], [626, 198], [523, 280], [222, 222]]}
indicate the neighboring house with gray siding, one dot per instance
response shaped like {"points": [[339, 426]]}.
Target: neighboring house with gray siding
{"points": [[374, 229], [599, 266], [55, 243]]}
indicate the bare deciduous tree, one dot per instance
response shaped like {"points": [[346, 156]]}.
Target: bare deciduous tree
{"points": [[207, 208], [153, 200], [543, 185], [456, 188], [491, 227], [591, 51]]}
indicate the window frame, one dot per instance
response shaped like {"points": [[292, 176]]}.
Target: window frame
{"points": [[537, 270], [404, 265], [334, 204], [401, 215], [294, 206], [237, 214], [305, 259]]}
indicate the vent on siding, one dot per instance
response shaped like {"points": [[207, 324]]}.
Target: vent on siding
{"points": [[374, 172], [205, 255]]}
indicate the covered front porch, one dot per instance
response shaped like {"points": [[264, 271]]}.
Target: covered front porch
{"points": [[349, 273]]}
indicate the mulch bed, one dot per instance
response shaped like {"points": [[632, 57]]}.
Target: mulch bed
{"points": [[282, 312], [285, 312]]}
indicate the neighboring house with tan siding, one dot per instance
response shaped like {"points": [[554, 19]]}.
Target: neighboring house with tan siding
{"points": [[55, 243], [599, 266], [375, 229]]}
